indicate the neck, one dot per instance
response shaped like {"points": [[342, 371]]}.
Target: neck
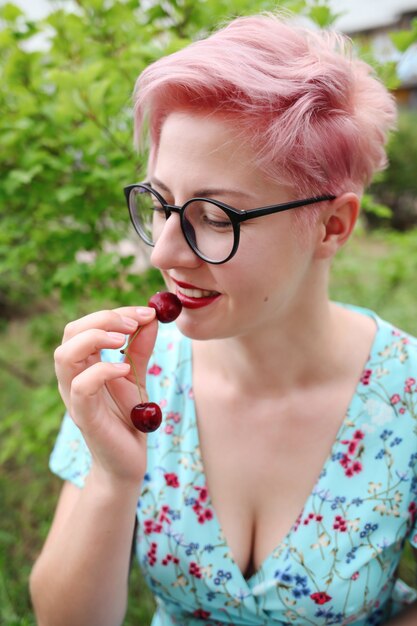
{"points": [[299, 350]]}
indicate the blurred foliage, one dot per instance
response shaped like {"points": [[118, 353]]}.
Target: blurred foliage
{"points": [[66, 138], [396, 187], [403, 39]]}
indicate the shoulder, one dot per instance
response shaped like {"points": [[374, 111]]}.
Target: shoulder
{"points": [[397, 346], [391, 342]]}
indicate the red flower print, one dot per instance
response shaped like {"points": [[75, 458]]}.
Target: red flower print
{"points": [[169, 429], [354, 468], [171, 479], [340, 524], [395, 398], [298, 521], [151, 527], [151, 554], [203, 513], [349, 464], [170, 558], [155, 370], [366, 377], [194, 570], [344, 461], [174, 416], [355, 576], [202, 493], [309, 518], [201, 614], [164, 514], [408, 385], [320, 597], [352, 447]]}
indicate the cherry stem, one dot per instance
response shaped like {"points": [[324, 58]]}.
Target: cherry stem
{"points": [[129, 358]]}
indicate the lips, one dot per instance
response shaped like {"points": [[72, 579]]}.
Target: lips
{"points": [[193, 297]]}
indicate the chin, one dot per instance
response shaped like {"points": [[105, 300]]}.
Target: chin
{"points": [[200, 331]]}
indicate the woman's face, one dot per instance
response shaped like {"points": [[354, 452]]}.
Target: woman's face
{"points": [[269, 276]]}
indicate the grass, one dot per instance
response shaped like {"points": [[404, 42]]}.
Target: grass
{"points": [[377, 271]]}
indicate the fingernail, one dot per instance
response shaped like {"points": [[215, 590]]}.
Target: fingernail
{"points": [[129, 323], [122, 366], [145, 312]]}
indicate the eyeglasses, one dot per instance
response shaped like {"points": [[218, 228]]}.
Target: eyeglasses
{"points": [[211, 228]]}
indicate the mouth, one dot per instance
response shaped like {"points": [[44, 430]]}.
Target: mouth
{"points": [[193, 297]]}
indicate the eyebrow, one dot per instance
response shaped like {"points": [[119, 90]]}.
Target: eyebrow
{"points": [[205, 191]]}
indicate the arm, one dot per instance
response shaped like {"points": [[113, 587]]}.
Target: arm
{"points": [[81, 574]]}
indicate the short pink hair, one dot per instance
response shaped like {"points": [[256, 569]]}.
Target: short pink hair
{"points": [[317, 117]]}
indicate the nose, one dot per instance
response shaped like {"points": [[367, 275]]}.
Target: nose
{"points": [[172, 249]]}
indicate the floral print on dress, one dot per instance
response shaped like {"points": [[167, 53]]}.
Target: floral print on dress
{"points": [[338, 562]]}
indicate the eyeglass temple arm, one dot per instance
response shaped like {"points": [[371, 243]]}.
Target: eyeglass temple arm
{"points": [[278, 208]]}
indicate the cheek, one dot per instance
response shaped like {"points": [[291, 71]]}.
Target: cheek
{"points": [[262, 274]]}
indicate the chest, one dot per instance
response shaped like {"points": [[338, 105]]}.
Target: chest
{"points": [[261, 462], [216, 505]]}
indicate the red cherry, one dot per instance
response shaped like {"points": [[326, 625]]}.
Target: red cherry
{"points": [[146, 416], [166, 305]]}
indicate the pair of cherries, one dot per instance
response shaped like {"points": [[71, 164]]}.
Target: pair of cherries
{"points": [[147, 416]]}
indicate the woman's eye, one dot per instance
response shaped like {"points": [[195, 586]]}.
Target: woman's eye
{"points": [[216, 222]]}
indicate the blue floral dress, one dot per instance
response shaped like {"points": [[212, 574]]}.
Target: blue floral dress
{"points": [[337, 564]]}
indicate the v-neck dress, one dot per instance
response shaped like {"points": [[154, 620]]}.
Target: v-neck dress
{"points": [[338, 562]]}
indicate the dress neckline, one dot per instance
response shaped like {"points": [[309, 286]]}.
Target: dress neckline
{"points": [[255, 578]]}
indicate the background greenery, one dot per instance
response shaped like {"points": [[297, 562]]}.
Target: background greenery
{"points": [[65, 244]]}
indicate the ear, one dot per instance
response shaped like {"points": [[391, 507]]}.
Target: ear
{"points": [[336, 225]]}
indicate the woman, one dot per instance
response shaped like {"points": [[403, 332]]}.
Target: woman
{"points": [[281, 486]]}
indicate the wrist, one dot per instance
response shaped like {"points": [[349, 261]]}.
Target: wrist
{"points": [[113, 487]]}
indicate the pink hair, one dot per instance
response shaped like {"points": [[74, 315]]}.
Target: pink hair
{"points": [[316, 116]]}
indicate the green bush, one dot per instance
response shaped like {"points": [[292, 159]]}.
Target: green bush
{"points": [[397, 186]]}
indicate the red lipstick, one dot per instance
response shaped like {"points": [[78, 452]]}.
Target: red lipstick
{"points": [[192, 297]]}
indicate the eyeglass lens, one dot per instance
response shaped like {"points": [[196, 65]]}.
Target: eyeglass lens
{"points": [[206, 226]]}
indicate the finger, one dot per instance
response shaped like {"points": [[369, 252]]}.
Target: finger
{"points": [[86, 389], [87, 343], [122, 320], [82, 351]]}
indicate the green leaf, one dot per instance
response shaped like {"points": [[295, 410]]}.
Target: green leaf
{"points": [[371, 206], [322, 15], [10, 12], [64, 194], [403, 39]]}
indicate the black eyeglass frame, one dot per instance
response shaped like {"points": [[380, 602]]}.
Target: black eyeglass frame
{"points": [[236, 216]]}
